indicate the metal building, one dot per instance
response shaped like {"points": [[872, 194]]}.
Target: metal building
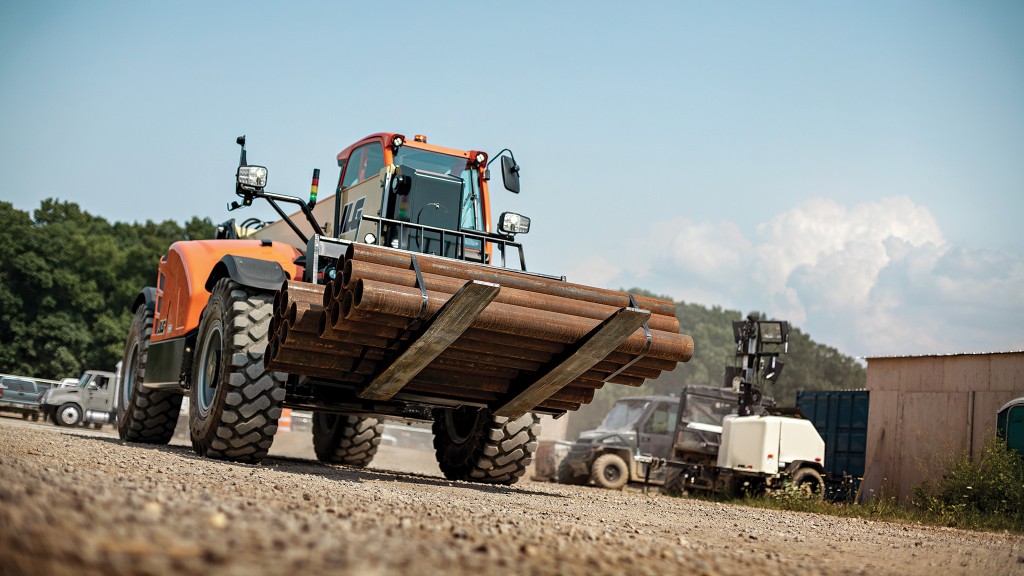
{"points": [[925, 410]]}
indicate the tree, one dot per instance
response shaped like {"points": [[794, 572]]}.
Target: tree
{"points": [[67, 279]]}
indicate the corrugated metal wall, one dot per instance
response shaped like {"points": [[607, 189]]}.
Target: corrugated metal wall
{"points": [[925, 410]]}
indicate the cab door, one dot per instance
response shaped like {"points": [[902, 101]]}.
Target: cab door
{"points": [[656, 432], [99, 393]]}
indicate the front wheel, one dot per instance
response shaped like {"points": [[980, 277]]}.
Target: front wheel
{"points": [[144, 415], [69, 415], [473, 445], [234, 403]]}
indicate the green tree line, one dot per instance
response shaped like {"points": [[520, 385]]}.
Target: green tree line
{"points": [[67, 279], [808, 365]]}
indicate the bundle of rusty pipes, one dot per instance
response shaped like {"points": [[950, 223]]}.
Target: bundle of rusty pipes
{"points": [[351, 330]]}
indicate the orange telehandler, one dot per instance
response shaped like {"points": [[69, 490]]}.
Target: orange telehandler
{"points": [[393, 299]]}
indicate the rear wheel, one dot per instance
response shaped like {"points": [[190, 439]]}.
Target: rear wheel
{"points": [[234, 403], [143, 415], [610, 471], [473, 445], [348, 440]]}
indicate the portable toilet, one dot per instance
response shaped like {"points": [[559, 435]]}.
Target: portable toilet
{"points": [[1010, 424]]}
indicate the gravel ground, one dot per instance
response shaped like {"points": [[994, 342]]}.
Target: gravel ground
{"points": [[82, 502]]}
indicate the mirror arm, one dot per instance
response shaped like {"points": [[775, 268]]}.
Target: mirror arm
{"points": [[275, 198]]}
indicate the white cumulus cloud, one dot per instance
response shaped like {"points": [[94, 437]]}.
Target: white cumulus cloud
{"points": [[872, 278]]}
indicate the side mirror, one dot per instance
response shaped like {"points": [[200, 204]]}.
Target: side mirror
{"points": [[251, 179], [510, 174], [93, 386], [512, 223]]}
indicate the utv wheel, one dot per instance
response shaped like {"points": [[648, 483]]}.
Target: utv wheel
{"points": [[809, 483], [610, 472], [234, 403], [348, 440], [69, 415], [144, 415], [473, 445]]}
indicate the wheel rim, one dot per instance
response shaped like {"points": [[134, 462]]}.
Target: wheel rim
{"points": [[611, 474], [128, 378], [209, 367], [69, 415]]}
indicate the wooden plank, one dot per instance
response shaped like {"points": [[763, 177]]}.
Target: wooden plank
{"points": [[445, 327], [590, 350]]}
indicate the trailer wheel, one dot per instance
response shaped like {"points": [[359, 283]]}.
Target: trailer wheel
{"points": [[473, 445], [565, 474], [348, 440], [674, 482], [809, 483], [144, 415], [610, 471], [234, 403]]}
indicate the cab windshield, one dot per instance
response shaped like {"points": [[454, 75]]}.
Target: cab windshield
{"points": [[83, 380], [623, 415], [450, 166]]}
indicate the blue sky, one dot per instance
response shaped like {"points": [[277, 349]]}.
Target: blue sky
{"points": [[857, 168]]}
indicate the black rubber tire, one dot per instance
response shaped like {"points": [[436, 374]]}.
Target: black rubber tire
{"points": [[234, 403], [809, 482], [144, 415], [347, 440], [473, 445], [674, 482], [69, 414], [35, 417], [565, 475], [610, 471]]}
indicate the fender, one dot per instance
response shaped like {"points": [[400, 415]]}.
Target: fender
{"points": [[147, 296], [250, 272], [186, 275]]}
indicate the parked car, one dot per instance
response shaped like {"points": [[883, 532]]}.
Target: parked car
{"points": [[20, 395]]}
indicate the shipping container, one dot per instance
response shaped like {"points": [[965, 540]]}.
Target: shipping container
{"points": [[841, 418]]}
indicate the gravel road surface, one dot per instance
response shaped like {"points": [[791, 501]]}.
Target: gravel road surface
{"points": [[81, 502]]}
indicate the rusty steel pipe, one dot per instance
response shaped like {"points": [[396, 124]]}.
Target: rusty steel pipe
{"points": [[504, 277], [305, 341], [356, 270], [402, 301], [531, 360], [303, 317], [369, 328], [302, 357], [296, 291], [348, 312]]}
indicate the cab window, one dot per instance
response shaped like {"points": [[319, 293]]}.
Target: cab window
{"points": [[364, 162]]}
